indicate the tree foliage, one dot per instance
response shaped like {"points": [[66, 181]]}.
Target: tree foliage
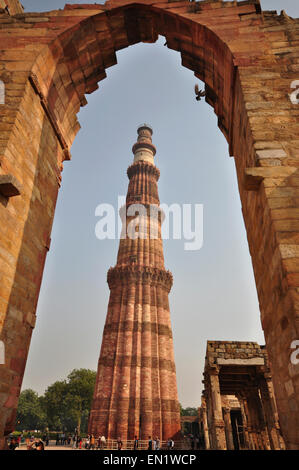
{"points": [[189, 411], [30, 414], [65, 404]]}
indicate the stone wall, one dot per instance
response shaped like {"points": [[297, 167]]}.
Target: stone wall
{"points": [[234, 350]]}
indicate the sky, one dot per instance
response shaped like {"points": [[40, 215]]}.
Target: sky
{"points": [[214, 295]]}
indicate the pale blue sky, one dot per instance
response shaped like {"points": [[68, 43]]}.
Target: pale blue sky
{"points": [[214, 295]]}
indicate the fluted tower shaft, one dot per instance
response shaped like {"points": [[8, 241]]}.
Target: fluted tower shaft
{"points": [[136, 390]]}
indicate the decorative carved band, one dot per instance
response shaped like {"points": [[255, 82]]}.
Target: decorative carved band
{"points": [[142, 145], [136, 274], [145, 167], [122, 360], [113, 403], [135, 326]]}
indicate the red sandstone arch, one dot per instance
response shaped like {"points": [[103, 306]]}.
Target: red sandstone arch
{"points": [[247, 60]]}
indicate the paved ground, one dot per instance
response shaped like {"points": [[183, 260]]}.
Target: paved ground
{"points": [[50, 447]]}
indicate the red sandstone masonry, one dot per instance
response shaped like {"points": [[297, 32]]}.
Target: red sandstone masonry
{"points": [[246, 57], [140, 385]]}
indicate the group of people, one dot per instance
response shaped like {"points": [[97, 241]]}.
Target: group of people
{"points": [[62, 439], [32, 443], [89, 443], [92, 443], [154, 444]]}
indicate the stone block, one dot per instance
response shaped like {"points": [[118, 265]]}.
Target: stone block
{"points": [[9, 186]]}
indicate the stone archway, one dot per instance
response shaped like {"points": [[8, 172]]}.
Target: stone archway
{"points": [[248, 61]]}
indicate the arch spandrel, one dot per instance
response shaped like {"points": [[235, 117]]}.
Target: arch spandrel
{"points": [[247, 59]]}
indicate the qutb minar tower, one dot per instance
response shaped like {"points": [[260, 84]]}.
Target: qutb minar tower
{"points": [[136, 390]]}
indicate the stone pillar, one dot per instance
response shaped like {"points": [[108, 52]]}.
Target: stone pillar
{"points": [[217, 431], [205, 422], [270, 411], [260, 433], [228, 428], [244, 421], [250, 425]]}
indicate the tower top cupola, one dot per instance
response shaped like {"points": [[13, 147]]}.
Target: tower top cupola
{"points": [[144, 149]]}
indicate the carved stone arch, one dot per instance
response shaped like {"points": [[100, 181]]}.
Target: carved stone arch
{"points": [[81, 54], [248, 60]]}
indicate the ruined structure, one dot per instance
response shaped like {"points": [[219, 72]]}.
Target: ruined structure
{"points": [[248, 60], [238, 407], [136, 391]]}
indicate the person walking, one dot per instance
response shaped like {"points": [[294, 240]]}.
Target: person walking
{"points": [[135, 443], [150, 443], [157, 444], [119, 444], [92, 442], [170, 444], [103, 442]]}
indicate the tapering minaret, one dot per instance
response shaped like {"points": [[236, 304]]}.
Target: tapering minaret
{"points": [[136, 390]]}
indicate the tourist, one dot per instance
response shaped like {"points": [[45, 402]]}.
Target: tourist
{"points": [[39, 445], [150, 443], [92, 442], [36, 445], [57, 439], [170, 444], [87, 442], [136, 443], [103, 442], [119, 444], [157, 444], [13, 444]]}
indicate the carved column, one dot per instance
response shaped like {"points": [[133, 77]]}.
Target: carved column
{"points": [[241, 399], [270, 410], [253, 444], [260, 432], [205, 422], [228, 428], [217, 423]]}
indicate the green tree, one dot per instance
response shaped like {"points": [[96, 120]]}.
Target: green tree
{"points": [[189, 411], [30, 413], [80, 388], [54, 405], [67, 403]]}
